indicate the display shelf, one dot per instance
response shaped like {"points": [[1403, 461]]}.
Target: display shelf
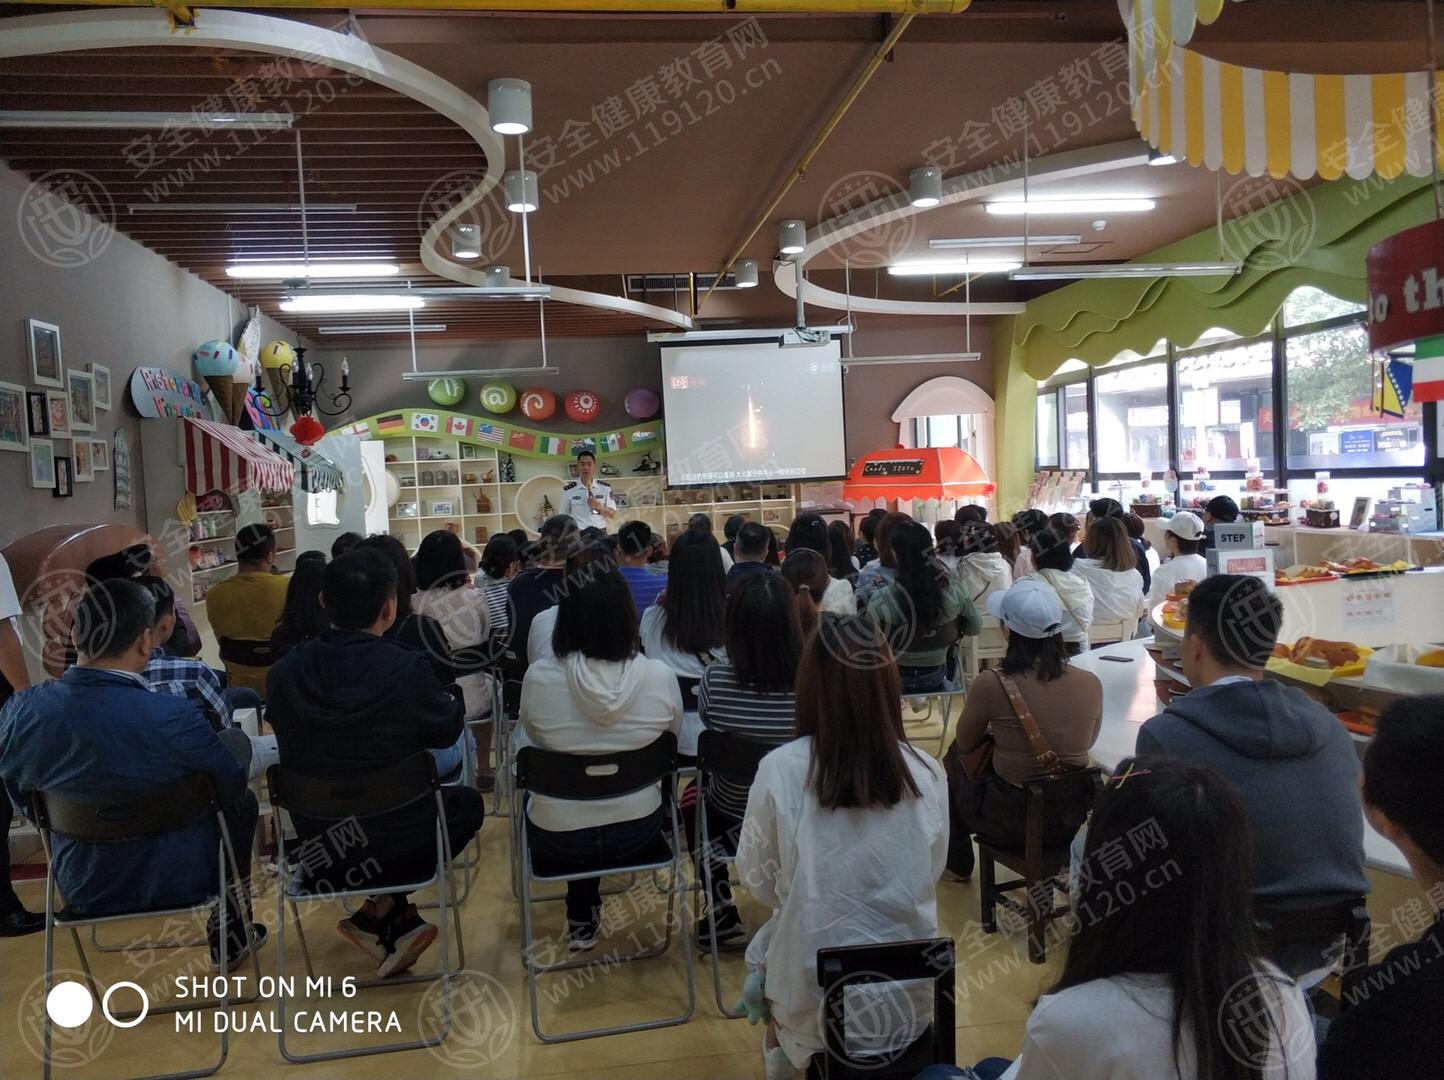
{"points": [[211, 540], [213, 513], [197, 572]]}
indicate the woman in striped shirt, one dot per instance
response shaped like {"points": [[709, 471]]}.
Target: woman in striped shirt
{"points": [[750, 695], [499, 564]]}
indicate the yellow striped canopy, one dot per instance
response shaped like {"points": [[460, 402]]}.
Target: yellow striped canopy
{"points": [[1170, 20]]}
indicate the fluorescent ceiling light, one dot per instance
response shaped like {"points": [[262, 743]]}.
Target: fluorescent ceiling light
{"points": [[953, 266], [270, 121], [1081, 204], [1158, 157], [518, 291], [238, 208], [384, 328], [670, 337], [427, 376], [950, 242], [1068, 271], [352, 302], [286, 271], [917, 358]]}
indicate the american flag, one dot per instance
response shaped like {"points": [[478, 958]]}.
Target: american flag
{"points": [[490, 433]]}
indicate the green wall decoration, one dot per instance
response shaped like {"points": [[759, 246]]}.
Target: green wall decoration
{"points": [[505, 436]]}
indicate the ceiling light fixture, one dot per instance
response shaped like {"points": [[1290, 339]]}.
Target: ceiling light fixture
{"points": [[948, 243], [463, 242], [427, 376], [953, 266], [384, 328], [744, 274], [917, 358], [286, 271], [520, 186], [1158, 157], [1081, 204], [238, 208], [354, 302], [792, 237], [1069, 271], [508, 101], [925, 186], [497, 277], [673, 337], [135, 121]]}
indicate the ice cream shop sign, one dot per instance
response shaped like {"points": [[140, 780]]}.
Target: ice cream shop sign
{"points": [[160, 392]]}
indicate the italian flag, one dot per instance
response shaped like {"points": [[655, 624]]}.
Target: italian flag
{"points": [[1429, 369]]}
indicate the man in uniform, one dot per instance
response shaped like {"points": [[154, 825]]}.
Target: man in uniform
{"points": [[587, 500]]}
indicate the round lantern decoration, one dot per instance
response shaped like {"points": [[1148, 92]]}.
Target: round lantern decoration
{"points": [[447, 391], [498, 397], [538, 403], [307, 431], [216, 358], [642, 404], [583, 405], [278, 354]]}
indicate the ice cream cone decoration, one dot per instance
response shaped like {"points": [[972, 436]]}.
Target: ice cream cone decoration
{"points": [[278, 359]]}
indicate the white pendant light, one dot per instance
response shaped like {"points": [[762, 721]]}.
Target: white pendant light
{"points": [[353, 302], [792, 237], [744, 274], [925, 186], [497, 276], [509, 103], [953, 266], [463, 242], [521, 190], [1082, 204], [285, 271]]}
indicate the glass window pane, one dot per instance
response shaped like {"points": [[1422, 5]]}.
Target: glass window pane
{"points": [[1075, 426], [1226, 408], [1133, 419], [1331, 421], [942, 431], [1307, 304], [1047, 449]]}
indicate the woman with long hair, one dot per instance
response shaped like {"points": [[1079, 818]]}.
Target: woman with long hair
{"points": [[1110, 566], [1007, 536], [806, 572], [749, 694], [875, 575], [809, 533], [1164, 979], [686, 627], [1067, 526], [303, 617], [1029, 524], [923, 611], [982, 568], [819, 844], [500, 562], [841, 561], [1053, 556]]}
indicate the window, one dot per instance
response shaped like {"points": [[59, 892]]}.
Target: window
{"points": [[1047, 429], [1332, 424], [943, 431], [1075, 426], [1226, 408], [321, 508], [1307, 304], [1133, 419]]}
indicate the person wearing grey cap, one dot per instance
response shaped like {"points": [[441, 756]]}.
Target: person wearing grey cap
{"points": [[1183, 538], [1064, 703]]}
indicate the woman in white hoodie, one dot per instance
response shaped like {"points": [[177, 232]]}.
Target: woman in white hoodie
{"points": [[1110, 565], [981, 566], [1053, 557], [597, 694]]}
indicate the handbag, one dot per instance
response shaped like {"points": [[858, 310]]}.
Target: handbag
{"points": [[978, 761]]}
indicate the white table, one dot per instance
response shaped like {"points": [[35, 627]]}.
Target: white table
{"points": [[1129, 700]]}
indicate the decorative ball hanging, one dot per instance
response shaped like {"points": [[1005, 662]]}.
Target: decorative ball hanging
{"points": [[498, 397], [538, 403], [447, 391], [277, 354], [642, 403], [216, 358], [308, 431], [583, 405]]}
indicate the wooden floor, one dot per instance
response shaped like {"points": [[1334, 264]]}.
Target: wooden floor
{"points": [[493, 1037]]}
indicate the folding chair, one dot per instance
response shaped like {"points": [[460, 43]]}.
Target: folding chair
{"points": [[88, 819], [734, 759], [341, 800], [586, 778], [1302, 941], [840, 970], [1038, 866], [990, 644]]}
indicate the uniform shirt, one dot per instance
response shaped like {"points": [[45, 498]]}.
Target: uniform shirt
{"points": [[574, 503]]}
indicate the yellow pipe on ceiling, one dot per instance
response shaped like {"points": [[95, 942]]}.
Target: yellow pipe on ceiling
{"points": [[600, 7]]}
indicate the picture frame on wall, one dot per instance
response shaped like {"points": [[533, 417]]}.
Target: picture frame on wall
{"points": [[100, 455], [80, 385], [64, 479], [43, 339], [59, 403], [443, 508], [42, 463], [81, 461], [37, 412], [14, 425], [101, 374]]}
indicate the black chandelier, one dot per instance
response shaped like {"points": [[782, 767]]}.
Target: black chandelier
{"points": [[303, 387]]}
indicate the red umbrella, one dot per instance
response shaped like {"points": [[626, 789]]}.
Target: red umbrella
{"points": [[943, 472]]}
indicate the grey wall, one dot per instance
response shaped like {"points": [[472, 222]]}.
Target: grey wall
{"points": [[124, 308]]}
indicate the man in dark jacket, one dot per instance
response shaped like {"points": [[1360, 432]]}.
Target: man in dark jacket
{"points": [[350, 703], [1290, 760]]}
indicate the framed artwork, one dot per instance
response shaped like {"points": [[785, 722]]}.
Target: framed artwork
{"points": [[100, 455], [80, 461], [14, 426], [1360, 513], [42, 463], [44, 341], [59, 403], [101, 374], [406, 510], [120, 470], [80, 385], [37, 412], [64, 480], [443, 508]]}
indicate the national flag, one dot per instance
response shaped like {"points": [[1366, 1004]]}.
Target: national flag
{"points": [[644, 436], [460, 426], [1428, 374], [521, 440], [1398, 386], [361, 427], [578, 445], [490, 433], [391, 424], [614, 442], [552, 444], [425, 421]]}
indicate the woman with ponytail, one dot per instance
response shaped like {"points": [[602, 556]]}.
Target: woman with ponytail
{"points": [[806, 571], [809, 533]]}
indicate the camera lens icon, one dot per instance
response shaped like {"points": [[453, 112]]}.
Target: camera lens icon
{"points": [[70, 1004]]}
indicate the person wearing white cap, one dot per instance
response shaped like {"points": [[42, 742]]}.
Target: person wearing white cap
{"points": [[1183, 539], [1033, 686]]}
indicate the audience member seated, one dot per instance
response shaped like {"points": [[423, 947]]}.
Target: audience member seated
{"points": [[1136, 533], [1290, 760], [841, 562], [809, 533], [1110, 566], [844, 839], [730, 527], [866, 550], [15, 920], [923, 611], [657, 559], [634, 547], [1007, 534], [1112, 508], [303, 617], [1067, 526], [992, 756], [686, 627], [1053, 556], [749, 554], [136, 561], [1220, 510], [749, 694], [1183, 542], [702, 523], [1169, 982], [350, 703], [595, 694], [539, 585], [500, 562], [1029, 524], [344, 543], [972, 514], [948, 543], [1390, 1023], [100, 730], [806, 573], [410, 628], [981, 567], [244, 608]]}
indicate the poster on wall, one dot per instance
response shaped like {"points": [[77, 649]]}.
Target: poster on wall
{"points": [[120, 469]]}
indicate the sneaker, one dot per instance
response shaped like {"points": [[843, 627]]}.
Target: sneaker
{"points": [[582, 936], [411, 936], [776, 1065], [240, 948], [366, 932], [729, 928]]}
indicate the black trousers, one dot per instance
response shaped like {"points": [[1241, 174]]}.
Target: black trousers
{"points": [[8, 900]]}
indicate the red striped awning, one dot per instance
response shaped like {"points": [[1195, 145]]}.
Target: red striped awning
{"points": [[219, 457]]}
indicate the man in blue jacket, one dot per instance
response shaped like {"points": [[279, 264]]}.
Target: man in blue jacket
{"points": [[1290, 760], [99, 729]]}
